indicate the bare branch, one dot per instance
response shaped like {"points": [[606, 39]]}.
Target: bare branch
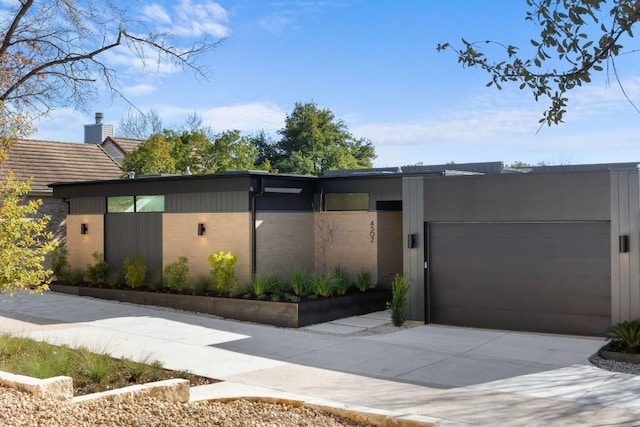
{"points": [[14, 25], [52, 51]]}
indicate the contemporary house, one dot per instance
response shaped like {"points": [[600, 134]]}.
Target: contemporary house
{"points": [[551, 249]]}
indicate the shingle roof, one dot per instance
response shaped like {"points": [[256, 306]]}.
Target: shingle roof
{"points": [[49, 162], [126, 144]]}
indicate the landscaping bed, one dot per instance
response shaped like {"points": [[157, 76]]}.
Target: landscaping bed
{"points": [[622, 352], [276, 313], [91, 372]]}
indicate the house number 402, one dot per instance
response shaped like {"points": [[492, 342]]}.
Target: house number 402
{"points": [[372, 232]]}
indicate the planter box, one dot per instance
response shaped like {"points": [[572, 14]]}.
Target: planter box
{"points": [[285, 314], [620, 357]]}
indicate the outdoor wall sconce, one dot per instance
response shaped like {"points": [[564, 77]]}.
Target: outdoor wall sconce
{"points": [[83, 228], [201, 229], [623, 243], [412, 241]]}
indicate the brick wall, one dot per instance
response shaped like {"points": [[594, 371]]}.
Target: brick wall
{"points": [[228, 232], [354, 244], [284, 240], [57, 210]]}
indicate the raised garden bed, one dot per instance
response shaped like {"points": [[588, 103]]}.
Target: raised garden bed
{"points": [[284, 314]]}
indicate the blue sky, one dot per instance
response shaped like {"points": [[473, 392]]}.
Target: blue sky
{"points": [[374, 64]]}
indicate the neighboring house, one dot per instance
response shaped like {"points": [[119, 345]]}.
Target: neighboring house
{"points": [[117, 147], [547, 251], [45, 162], [102, 134]]}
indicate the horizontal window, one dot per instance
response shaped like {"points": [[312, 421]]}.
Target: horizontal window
{"points": [[120, 204], [149, 203], [346, 202]]}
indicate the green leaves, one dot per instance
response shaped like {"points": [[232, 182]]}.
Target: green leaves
{"points": [[314, 141], [626, 335], [564, 43], [24, 239]]}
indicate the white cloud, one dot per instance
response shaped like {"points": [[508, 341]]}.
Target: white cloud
{"points": [[503, 127], [156, 13], [62, 124], [190, 18], [250, 117], [142, 60], [195, 18], [276, 23], [139, 90]]}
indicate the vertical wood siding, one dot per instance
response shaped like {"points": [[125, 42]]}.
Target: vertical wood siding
{"points": [[227, 201], [129, 235]]}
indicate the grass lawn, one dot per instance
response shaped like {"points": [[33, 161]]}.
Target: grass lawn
{"points": [[91, 372]]}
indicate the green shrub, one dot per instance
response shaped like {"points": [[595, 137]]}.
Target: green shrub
{"points": [[259, 284], [201, 284], [364, 280], [177, 274], [321, 285], [97, 273], [74, 276], [398, 305], [239, 290], [59, 263], [625, 336], [298, 280], [96, 367], [154, 281], [275, 286], [342, 280], [115, 278], [134, 271], [223, 273]]}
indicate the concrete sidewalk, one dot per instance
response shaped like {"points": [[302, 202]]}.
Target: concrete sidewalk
{"points": [[462, 376]]}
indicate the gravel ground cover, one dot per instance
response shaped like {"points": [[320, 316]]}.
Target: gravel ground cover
{"points": [[614, 366], [21, 409]]}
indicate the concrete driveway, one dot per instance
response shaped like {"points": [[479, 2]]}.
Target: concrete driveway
{"points": [[462, 376]]}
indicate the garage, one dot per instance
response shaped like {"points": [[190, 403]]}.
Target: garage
{"points": [[527, 276]]}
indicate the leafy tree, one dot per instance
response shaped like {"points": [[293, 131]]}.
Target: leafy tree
{"points": [[577, 38], [267, 150], [170, 152], [232, 151], [23, 244], [24, 240], [314, 141], [190, 150], [151, 157]]}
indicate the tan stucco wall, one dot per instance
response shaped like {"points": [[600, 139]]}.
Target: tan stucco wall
{"points": [[355, 243], [228, 232], [81, 246], [284, 241]]}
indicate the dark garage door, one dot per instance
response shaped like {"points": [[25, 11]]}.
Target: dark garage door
{"points": [[542, 277]]}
